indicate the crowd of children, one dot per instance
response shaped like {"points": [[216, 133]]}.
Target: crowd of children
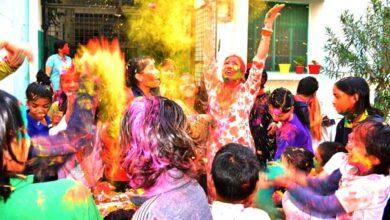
{"points": [[222, 150]]}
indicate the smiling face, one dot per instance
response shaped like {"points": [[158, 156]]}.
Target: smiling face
{"points": [[69, 82], [357, 153], [343, 102], [39, 108], [232, 69]]}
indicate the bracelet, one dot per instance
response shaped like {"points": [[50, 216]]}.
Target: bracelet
{"points": [[266, 32]]}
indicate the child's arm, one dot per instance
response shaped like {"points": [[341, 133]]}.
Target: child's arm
{"points": [[310, 202], [78, 134], [327, 185]]}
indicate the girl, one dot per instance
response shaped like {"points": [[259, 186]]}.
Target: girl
{"points": [[329, 156], [359, 189], [64, 198], [291, 131], [352, 100], [142, 77], [159, 159], [39, 99]]}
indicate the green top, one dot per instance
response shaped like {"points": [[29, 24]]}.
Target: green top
{"points": [[263, 198], [61, 199], [5, 69]]}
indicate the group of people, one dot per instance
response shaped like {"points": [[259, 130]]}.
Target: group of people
{"points": [[222, 150]]}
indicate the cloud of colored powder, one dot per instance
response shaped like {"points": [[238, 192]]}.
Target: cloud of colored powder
{"points": [[164, 29]]}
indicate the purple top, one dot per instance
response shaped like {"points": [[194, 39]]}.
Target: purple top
{"points": [[292, 134], [174, 196]]}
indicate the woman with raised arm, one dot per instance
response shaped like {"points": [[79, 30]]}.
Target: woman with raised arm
{"points": [[231, 101]]}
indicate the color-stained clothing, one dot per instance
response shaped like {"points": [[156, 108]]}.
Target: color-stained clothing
{"points": [[226, 211], [174, 196], [344, 127], [62, 199], [263, 197], [232, 122], [58, 65], [292, 134], [5, 69], [231, 118], [36, 128], [362, 197], [259, 120]]}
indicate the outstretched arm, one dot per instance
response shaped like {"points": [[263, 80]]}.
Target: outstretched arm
{"points": [[14, 59], [254, 78]]}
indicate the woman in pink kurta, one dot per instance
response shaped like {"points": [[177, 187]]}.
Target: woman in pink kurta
{"points": [[231, 101]]}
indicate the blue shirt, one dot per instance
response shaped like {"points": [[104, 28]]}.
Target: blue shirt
{"points": [[58, 65], [36, 128]]}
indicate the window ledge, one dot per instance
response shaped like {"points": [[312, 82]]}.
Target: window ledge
{"points": [[293, 76]]}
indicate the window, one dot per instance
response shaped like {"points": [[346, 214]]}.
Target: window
{"points": [[289, 40]]}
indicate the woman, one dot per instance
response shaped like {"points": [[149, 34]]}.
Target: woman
{"points": [[63, 198], [352, 100], [159, 159], [231, 101]]}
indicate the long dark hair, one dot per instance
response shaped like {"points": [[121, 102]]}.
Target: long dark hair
{"points": [[359, 86], [11, 126], [153, 135]]}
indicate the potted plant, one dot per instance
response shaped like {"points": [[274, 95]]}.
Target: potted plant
{"points": [[314, 67], [299, 64], [284, 67]]}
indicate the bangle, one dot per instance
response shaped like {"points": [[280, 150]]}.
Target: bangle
{"points": [[266, 32]]}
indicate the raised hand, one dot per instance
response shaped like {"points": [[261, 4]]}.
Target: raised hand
{"points": [[272, 14], [16, 54]]}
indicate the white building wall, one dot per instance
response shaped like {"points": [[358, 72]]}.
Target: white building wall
{"points": [[327, 14], [19, 22], [232, 37]]}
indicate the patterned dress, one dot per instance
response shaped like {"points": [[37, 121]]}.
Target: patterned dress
{"points": [[231, 122]]}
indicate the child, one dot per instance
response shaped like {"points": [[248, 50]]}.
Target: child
{"points": [[235, 172], [291, 132], [360, 189], [294, 159], [307, 106], [352, 100], [259, 120], [69, 82], [39, 99], [329, 156]]}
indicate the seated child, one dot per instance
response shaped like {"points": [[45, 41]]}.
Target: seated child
{"points": [[235, 173], [359, 189]]}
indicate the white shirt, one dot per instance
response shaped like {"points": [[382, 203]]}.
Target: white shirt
{"points": [[61, 126], [362, 197], [226, 211], [335, 162]]}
